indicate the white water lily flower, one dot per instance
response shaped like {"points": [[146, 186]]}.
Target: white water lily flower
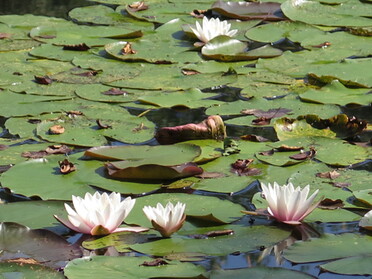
{"points": [[212, 28], [166, 220], [366, 221], [287, 204], [98, 214]]}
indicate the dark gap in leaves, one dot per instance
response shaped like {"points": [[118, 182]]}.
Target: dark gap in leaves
{"points": [[226, 93], [286, 44]]}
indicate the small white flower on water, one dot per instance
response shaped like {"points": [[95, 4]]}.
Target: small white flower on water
{"points": [[98, 214], [366, 221], [212, 28], [168, 219], [287, 204]]}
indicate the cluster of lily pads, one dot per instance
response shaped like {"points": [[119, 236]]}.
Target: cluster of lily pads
{"points": [[198, 106]]}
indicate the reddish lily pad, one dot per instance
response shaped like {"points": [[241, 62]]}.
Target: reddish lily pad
{"points": [[248, 10]]}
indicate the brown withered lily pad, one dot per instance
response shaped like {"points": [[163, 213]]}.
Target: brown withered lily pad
{"points": [[156, 262], [34, 154], [66, 166], [261, 121], [87, 74], [138, 6], [268, 11], [5, 36], [79, 47], [56, 130], [211, 128], [267, 153], [115, 92], [331, 204], [43, 80], [189, 72], [127, 49], [199, 13], [264, 117], [340, 184], [241, 168], [284, 147], [304, 155], [329, 174], [3, 147], [58, 149]]}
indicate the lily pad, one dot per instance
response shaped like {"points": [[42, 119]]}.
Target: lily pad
{"points": [[130, 267], [259, 273], [43, 178], [337, 93], [40, 245], [209, 209], [329, 247], [223, 48], [359, 265], [175, 154], [27, 270], [314, 12], [243, 239]]}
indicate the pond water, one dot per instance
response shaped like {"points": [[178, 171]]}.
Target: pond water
{"points": [[246, 78]]}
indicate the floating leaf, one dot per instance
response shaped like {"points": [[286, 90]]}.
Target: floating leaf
{"points": [[143, 170], [40, 245], [243, 239], [248, 10], [329, 247], [223, 48], [130, 268], [359, 265], [259, 273]]}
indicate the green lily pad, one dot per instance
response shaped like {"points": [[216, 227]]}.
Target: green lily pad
{"points": [[288, 102], [259, 272], [329, 247], [209, 209], [243, 239], [175, 154], [314, 12], [100, 14], [359, 265], [287, 129], [40, 213], [102, 93], [43, 178], [223, 48], [72, 34], [130, 267], [14, 270], [192, 98], [337, 93]]}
